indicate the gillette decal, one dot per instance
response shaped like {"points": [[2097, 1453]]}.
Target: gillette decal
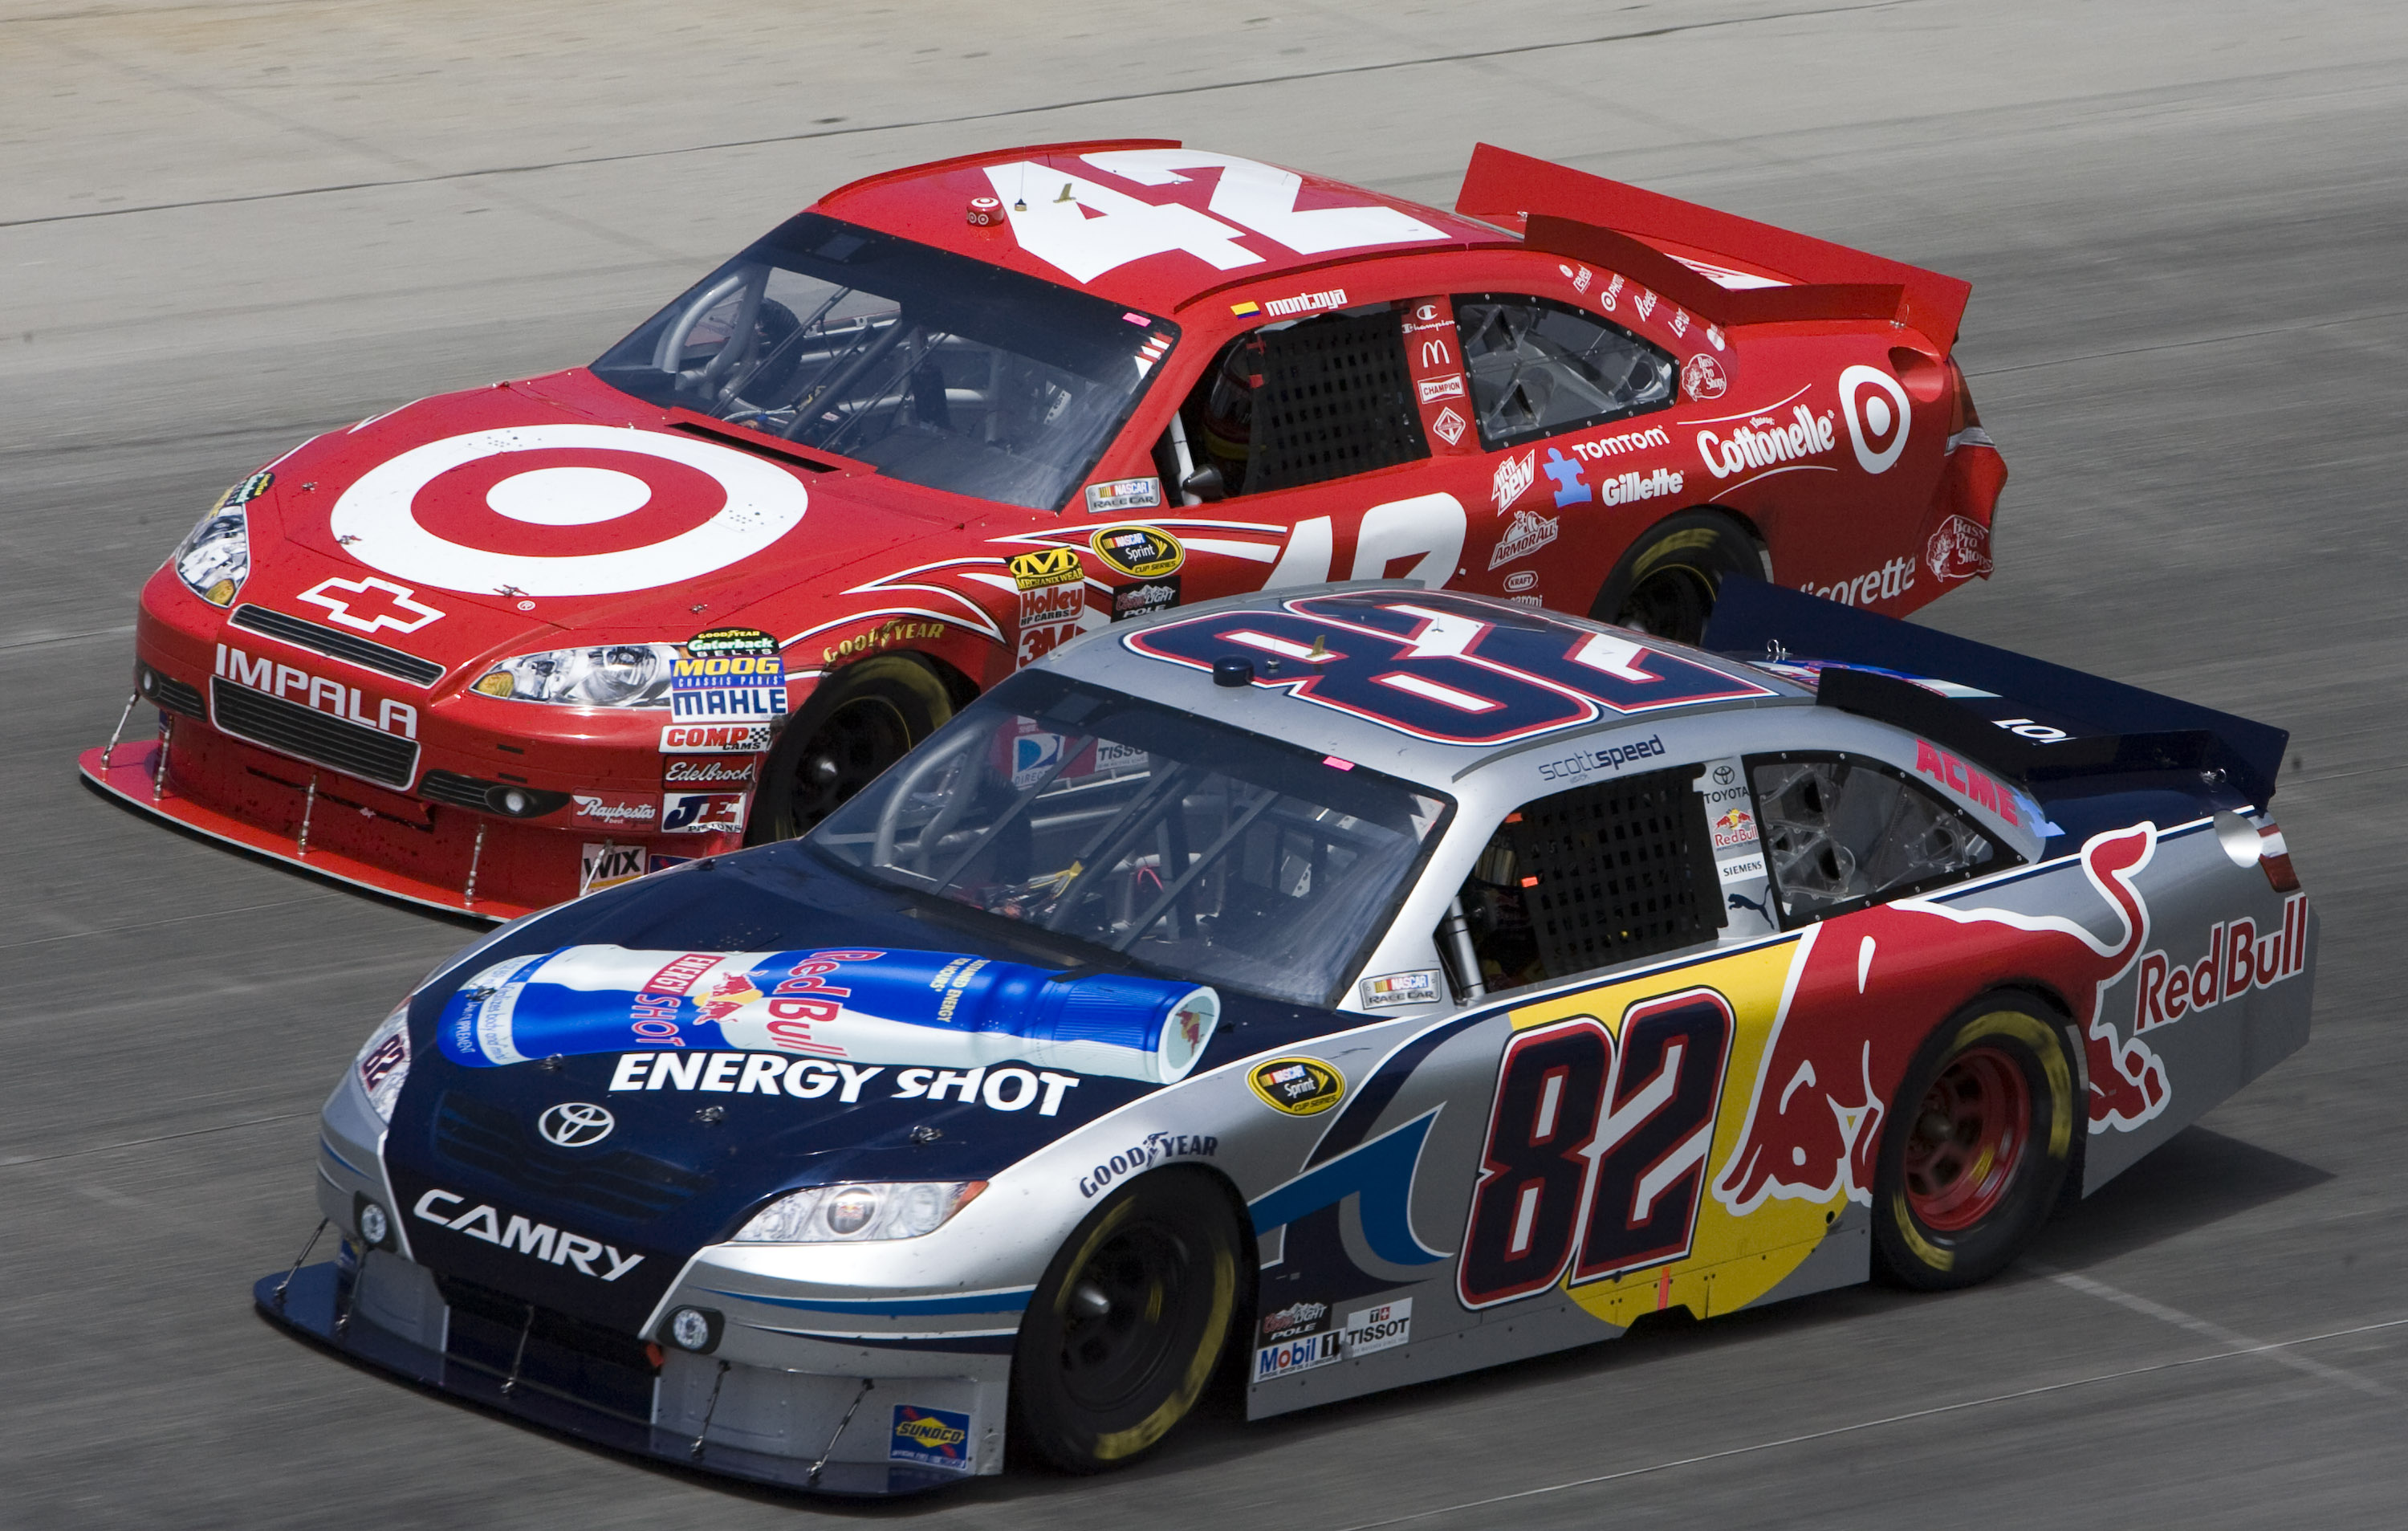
{"points": [[941, 1009]]}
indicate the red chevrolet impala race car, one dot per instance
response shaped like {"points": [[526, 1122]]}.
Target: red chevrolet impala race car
{"points": [[496, 648]]}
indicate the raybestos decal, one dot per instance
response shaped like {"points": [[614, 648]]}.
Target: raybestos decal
{"points": [[885, 1006]]}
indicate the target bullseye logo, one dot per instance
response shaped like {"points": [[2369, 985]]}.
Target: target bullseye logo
{"points": [[1874, 416], [565, 511]]}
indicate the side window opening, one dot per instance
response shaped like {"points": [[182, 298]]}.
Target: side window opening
{"points": [[1602, 873], [1299, 403], [1840, 833], [1540, 367]]}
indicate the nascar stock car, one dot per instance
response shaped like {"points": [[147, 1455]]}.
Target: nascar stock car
{"points": [[498, 648], [1378, 982]]}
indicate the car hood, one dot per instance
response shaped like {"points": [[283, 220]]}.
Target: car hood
{"points": [[559, 511], [688, 1158]]}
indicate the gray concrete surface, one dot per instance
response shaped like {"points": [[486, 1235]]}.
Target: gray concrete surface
{"points": [[223, 227]]}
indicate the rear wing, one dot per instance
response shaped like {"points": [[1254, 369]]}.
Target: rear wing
{"points": [[2034, 723], [1570, 212]]}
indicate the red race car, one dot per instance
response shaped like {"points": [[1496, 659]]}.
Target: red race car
{"points": [[496, 648]]}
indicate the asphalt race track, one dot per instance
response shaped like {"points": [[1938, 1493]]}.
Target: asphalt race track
{"points": [[224, 226]]}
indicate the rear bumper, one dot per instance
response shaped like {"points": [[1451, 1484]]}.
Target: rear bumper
{"points": [[812, 1434]]}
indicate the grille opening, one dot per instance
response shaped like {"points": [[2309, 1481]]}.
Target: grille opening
{"points": [[338, 645], [319, 738], [625, 1184], [602, 1368]]}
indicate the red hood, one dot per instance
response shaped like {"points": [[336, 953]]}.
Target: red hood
{"points": [[560, 511]]}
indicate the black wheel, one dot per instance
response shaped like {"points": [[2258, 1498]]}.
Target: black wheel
{"points": [[1667, 582], [855, 726], [1977, 1146], [1126, 1327]]}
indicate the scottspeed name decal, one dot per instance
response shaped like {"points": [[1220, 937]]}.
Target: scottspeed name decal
{"points": [[544, 1241]]}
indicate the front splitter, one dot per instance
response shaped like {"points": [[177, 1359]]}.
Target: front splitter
{"points": [[310, 1304], [129, 775]]}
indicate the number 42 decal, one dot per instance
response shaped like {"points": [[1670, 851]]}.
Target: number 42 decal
{"points": [[1086, 228], [1592, 1168]]}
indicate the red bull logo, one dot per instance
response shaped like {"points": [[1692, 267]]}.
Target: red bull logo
{"points": [[1813, 1129]]}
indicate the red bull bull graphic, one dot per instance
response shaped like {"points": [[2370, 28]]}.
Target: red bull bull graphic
{"points": [[939, 1008], [1814, 1126]]}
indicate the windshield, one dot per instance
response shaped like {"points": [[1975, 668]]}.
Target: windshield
{"points": [[932, 367], [1212, 852]]}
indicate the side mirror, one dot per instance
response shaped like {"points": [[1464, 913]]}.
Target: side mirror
{"points": [[1204, 485]]}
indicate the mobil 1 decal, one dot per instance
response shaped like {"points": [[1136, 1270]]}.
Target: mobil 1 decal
{"points": [[1596, 1150], [1442, 668]]}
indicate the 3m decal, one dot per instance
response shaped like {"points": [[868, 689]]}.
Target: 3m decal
{"points": [[932, 1437], [565, 509], [1297, 1086], [1440, 669], [366, 605]]}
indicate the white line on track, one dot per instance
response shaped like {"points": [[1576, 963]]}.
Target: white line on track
{"points": [[1723, 1456], [2216, 1332]]}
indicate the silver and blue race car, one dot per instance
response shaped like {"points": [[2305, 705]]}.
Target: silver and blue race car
{"points": [[1354, 984]]}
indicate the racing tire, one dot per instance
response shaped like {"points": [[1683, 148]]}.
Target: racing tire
{"points": [[1981, 1135], [1667, 582], [1128, 1324], [862, 720]]}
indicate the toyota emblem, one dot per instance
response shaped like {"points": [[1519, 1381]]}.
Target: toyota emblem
{"points": [[576, 1125]]}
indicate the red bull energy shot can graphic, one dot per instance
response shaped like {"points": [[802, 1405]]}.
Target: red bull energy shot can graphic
{"points": [[939, 1008]]}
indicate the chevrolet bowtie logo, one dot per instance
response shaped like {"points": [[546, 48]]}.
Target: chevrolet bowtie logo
{"points": [[369, 604]]}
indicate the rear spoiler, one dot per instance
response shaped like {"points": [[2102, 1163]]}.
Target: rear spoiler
{"points": [[2024, 719], [1570, 212]]}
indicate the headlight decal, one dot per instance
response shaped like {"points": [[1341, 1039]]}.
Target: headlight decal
{"points": [[215, 560], [857, 1213], [605, 676]]}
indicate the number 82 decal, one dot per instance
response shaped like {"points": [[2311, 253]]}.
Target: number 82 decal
{"points": [[1594, 1164]]}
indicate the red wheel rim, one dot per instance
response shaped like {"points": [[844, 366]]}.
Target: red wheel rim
{"points": [[1967, 1139]]}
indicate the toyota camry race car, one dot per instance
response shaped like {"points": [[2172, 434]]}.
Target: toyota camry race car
{"points": [[494, 649], [1376, 983]]}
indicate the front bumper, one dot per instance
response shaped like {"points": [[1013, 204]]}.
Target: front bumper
{"points": [[813, 1433]]}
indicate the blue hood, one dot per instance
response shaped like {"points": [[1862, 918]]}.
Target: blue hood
{"points": [[692, 1156]]}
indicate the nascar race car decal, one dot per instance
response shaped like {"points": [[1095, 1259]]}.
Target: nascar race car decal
{"points": [[493, 650], [1353, 1049]]}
